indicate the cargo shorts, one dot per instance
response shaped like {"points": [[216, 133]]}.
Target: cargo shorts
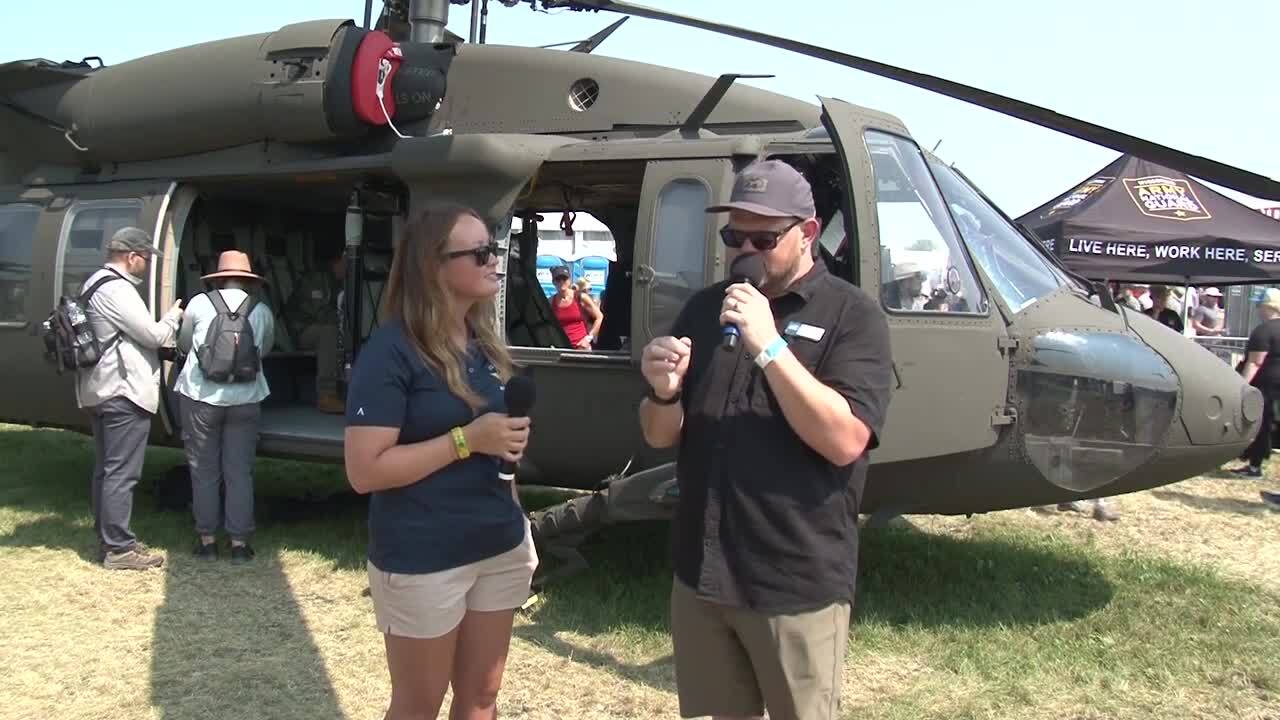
{"points": [[731, 661]]}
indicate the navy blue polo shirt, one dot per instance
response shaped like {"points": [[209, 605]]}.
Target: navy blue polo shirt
{"points": [[463, 512]]}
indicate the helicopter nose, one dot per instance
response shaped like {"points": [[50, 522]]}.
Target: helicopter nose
{"points": [[1218, 407], [1116, 412], [1219, 413]]}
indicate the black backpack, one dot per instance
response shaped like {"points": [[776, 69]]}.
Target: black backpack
{"points": [[69, 341], [229, 354]]}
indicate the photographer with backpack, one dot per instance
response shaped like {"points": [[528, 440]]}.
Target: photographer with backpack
{"points": [[224, 335], [117, 369]]}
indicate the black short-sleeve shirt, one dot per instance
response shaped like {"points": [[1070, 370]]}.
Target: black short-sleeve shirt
{"points": [[1266, 338], [458, 515], [764, 521]]}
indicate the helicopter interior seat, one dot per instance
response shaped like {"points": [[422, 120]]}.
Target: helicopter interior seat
{"points": [[530, 319]]}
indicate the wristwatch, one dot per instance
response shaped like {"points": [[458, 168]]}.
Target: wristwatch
{"points": [[653, 397]]}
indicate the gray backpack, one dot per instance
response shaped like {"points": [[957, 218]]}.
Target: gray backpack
{"points": [[229, 353]]}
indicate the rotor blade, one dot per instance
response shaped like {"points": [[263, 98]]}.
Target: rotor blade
{"points": [[594, 41], [1209, 170]]}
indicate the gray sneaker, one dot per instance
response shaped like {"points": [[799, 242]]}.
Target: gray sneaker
{"points": [[135, 558], [1102, 513]]}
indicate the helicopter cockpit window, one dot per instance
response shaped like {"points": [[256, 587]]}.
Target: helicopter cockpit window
{"points": [[679, 249], [923, 267], [84, 247], [17, 231], [1094, 406], [1018, 272]]}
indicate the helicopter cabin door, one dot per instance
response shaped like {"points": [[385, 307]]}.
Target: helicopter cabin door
{"points": [[677, 251], [950, 345], [74, 227]]}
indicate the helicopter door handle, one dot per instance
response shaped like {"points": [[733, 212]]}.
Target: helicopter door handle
{"points": [[645, 274]]}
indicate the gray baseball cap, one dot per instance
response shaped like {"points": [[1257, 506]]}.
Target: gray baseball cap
{"points": [[132, 239], [772, 188]]}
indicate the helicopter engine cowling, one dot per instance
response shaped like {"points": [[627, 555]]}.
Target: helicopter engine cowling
{"points": [[305, 83]]}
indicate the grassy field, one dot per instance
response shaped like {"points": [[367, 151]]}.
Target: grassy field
{"points": [[1172, 612]]}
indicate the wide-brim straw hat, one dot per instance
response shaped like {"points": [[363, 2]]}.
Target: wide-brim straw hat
{"points": [[233, 264]]}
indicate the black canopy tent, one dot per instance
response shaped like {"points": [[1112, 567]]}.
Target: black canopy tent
{"points": [[1136, 221]]}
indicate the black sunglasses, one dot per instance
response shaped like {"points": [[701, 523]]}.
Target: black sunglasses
{"points": [[761, 239], [481, 254]]}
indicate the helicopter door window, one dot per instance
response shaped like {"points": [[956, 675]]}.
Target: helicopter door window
{"points": [[1018, 272], [17, 232], [924, 268], [679, 249], [88, 227]]}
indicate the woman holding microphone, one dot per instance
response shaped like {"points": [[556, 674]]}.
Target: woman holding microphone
{"points": [[450, 555]]}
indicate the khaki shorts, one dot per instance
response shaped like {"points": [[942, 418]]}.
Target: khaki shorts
{"points": [[738, 662], [429, 605]]}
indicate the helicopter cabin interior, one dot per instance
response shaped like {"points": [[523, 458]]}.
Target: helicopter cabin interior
{"points": [[665, 247], [292, 232]]}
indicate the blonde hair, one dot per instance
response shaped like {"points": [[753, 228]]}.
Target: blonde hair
{"points": [[417, 299]]}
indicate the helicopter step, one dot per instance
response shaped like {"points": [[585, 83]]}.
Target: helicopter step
{"points": [[558, 530]]}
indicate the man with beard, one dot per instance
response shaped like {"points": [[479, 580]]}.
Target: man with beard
{"points": [[122, 391], [773, 440]]}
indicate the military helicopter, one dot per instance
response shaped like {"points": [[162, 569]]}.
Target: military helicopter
{"points": [[1016, 383]]}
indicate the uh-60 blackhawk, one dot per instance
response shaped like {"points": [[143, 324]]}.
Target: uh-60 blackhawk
{"points": [[1016, 383]]}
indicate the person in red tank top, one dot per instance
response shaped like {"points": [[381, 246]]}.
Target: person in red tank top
{"points": [[572, 310]]}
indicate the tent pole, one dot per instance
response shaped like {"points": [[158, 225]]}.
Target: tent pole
{"points": [[1186, 309]]}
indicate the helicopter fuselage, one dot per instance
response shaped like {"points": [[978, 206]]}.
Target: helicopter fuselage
{"points": [[1014, 384]]}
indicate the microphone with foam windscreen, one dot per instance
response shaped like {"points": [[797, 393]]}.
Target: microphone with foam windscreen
{"points": [[747, 268], [519, 397]]}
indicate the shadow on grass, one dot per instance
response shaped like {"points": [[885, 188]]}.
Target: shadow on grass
{"points": [[907, 578], [297, 506], [1210, 504], [226, 636], [232, 638]]}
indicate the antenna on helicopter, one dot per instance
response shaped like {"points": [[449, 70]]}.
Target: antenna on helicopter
{"points": [[709, 101], [591, 43]]}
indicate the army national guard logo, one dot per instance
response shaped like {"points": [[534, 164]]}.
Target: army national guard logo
{"points": [[1079, 195], [1162, 197]]}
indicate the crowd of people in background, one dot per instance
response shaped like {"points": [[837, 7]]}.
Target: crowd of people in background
{"points": [[1206, 316]]}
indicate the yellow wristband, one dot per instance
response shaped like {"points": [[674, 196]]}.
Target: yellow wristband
{"points": [[460, 443]]}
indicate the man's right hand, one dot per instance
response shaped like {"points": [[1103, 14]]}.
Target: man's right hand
{"points": [[175, 310], [664, 363]]}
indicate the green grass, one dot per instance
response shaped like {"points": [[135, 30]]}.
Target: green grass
{"points": [[1014, 620]]}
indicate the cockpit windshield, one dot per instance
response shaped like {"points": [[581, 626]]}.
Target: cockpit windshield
{"points": [[1019, 273], [923, 266]]}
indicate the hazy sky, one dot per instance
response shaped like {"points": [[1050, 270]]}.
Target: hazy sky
{"points": [[1195, 75]]}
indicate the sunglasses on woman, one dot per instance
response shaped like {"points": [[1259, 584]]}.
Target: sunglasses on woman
{"points": [[760, 239], [481, 254]]}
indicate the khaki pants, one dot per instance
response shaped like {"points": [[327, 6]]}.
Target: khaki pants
{"points": [[738, 662]]}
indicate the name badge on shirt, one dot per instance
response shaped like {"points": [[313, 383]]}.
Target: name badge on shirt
{"points": [[804, 330]]}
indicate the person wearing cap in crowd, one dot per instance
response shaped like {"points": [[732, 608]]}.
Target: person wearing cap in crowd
{"points": [[572, 307], [1207, 318], [122, 392], [1261, 369], [1160, 308], [773, 442], [220, 419]]}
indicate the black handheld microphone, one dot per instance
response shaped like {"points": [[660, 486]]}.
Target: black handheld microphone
{"points": [[747, 268], [519, 397]]}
